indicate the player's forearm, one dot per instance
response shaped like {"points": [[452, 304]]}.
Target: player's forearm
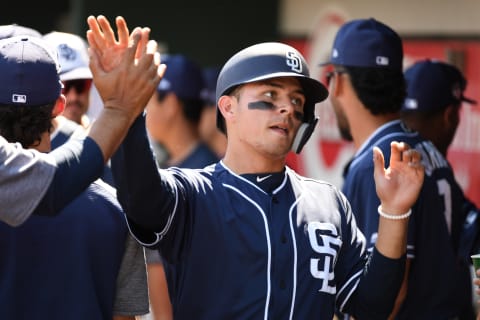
{"points": [[378, 287], [78, 160], [402, 293], [146, 198], [109, 129], [392, 230], [392, 237]]}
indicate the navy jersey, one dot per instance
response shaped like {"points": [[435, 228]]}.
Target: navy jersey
{"points": [[64, 132], [80, 160], [293, 253], [64, 267], [200, 157], [69, 129], [439, 285]]}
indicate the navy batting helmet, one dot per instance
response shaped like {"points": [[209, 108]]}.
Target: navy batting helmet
{"points": [[265, 61]]}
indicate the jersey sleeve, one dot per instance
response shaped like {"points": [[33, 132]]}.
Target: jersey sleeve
{"points": [[368, 282], [24, 175], [377, 289], [80, 161], [147, 198]]}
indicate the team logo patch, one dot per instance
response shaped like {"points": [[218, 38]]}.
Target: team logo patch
{"points": [[67, 52], [325, 241], [294, 61]]}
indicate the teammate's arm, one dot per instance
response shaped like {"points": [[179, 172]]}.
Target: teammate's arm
{"points": [[135, 186], [402, 293], [126, 73], [397, 188]]}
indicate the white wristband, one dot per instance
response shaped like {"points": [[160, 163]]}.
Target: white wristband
{"points": [[394, 216]]}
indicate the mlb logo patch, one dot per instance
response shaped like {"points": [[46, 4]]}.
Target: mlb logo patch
{"points": [[19, 98], [382, 61]]}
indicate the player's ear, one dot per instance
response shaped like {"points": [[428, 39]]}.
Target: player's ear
{"points": [[340, 84], [225, 105], [59, 106], [451, 116]]}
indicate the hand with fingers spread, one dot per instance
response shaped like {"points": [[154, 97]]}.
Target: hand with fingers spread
{"points": [[399, 185], [126, 71]]}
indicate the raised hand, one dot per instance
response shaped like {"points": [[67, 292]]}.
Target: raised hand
{"points": [[126, 69], [399, 185]]}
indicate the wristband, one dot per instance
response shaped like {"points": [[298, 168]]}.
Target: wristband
{"points": [[394, 216]]}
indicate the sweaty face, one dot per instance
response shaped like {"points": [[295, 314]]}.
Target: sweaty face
{"points": [[267, 115]]}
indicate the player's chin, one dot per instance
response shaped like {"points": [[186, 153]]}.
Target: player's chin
{"points": [[279, 149]]}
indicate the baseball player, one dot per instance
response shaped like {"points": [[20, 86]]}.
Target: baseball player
{"points": [[47, 255], [248, 236], [29, 179], [367, 92], [435, 94], [74, 74]]}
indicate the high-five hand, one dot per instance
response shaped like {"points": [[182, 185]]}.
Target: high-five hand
{"points": [[126, 71], [399, 185], [130, 64]]}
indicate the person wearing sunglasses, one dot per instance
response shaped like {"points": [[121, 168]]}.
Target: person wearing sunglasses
{"points": [[34, 182], [76, 80]]}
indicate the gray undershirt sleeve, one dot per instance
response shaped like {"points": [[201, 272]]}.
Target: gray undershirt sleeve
{"points": [[24, 179]]}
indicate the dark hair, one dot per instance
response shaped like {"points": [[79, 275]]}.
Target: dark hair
{"points": [[192, 108], [25, 124], [423, 116], [381, 90]]}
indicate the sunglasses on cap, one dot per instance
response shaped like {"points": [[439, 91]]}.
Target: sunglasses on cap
{"points": [[80, 85]]}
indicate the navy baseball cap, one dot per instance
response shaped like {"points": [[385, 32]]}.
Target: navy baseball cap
{"points": [[29, 72], [434, 85], [367, 43], [182, 77]]}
